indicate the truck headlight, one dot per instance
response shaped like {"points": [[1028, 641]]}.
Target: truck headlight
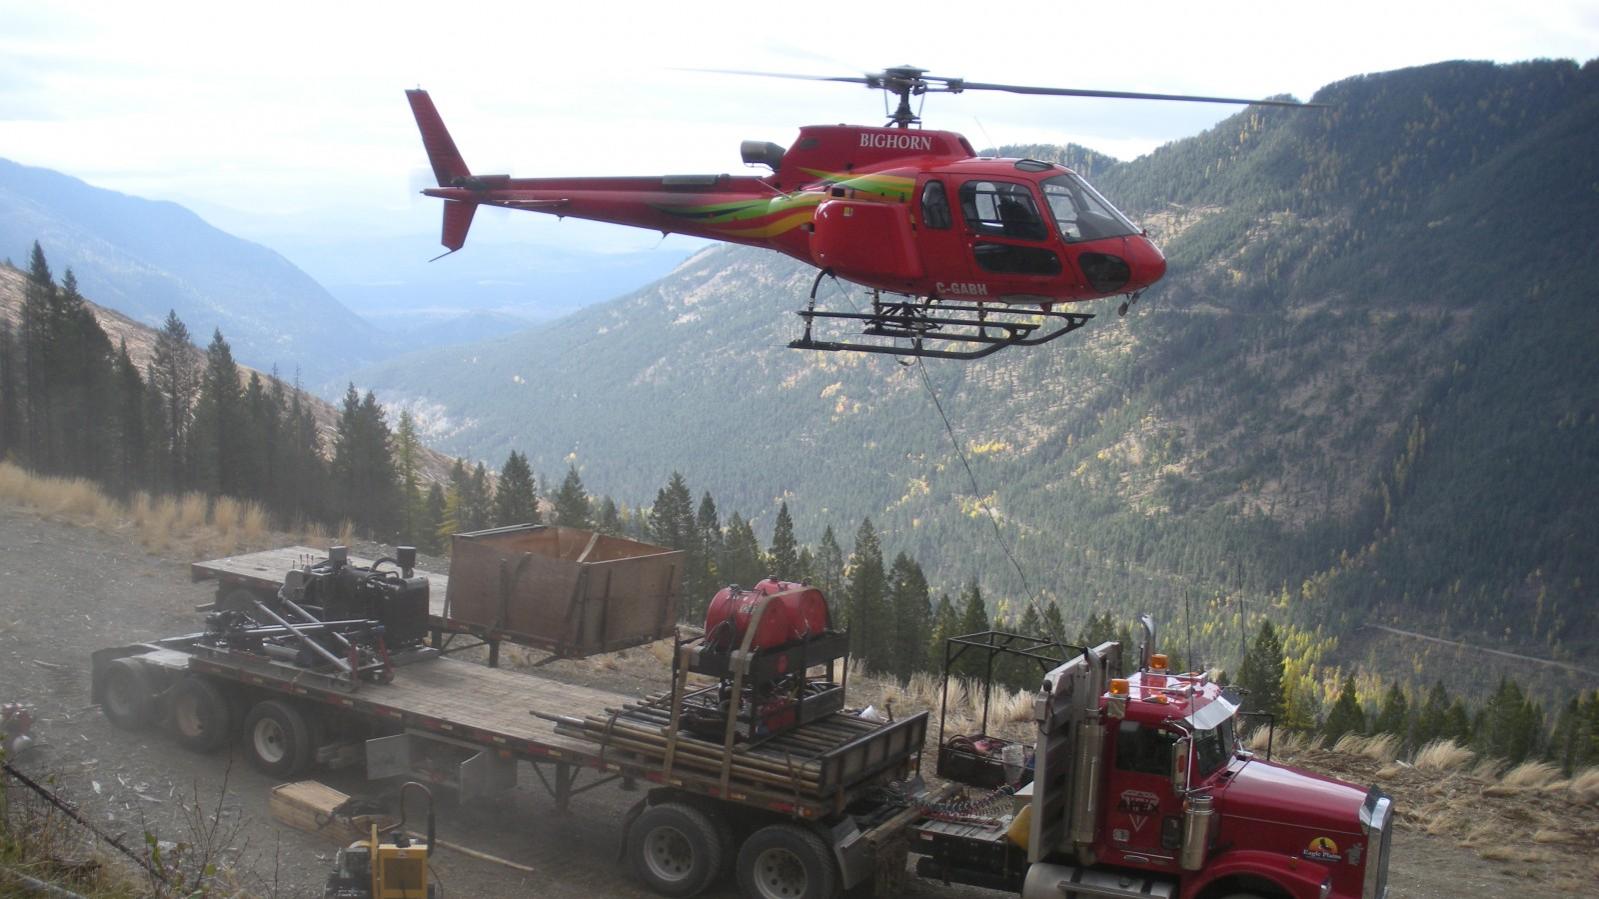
{"points": [[1376, 818]]}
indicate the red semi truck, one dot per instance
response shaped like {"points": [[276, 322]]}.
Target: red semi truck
{"points": [[1139, 789]]}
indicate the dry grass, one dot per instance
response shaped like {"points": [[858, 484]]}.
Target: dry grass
{"points": [[1584, 786], [1382, 748], [1443, 755], [1530, 776], [191, 522]]}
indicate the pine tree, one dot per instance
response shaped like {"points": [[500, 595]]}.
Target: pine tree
{"points": [[39, 351], [431, 537], [806, 573], [713, 542], [1394, 716], [1054, 623], [305, 478], [785, 550], [480, 498], [516, 500], [10, 392], [1432, 718], [570, 506], [870, 631], [175, 378], [973, 620], [909, 616], [742, 562], [81, 385], [129, 470], [219, 440], [365, 482], [1019, 672], [1346, 716], [407, 469], [946, 624], [830, 568], [1261, 674], [673, 526], [609, 519]]}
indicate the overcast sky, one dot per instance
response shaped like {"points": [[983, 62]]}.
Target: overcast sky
{"points": [[297, 108]]}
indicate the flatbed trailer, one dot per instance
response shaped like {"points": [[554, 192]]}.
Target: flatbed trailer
{"points": [[828, 791]]}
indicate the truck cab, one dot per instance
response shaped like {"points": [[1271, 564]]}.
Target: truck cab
{"points": [[1138, 788]]}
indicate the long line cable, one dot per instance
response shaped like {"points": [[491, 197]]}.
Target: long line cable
{"points": [[977, 492]]}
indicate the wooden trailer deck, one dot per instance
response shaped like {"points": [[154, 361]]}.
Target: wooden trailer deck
{"points": [[265, 570]]}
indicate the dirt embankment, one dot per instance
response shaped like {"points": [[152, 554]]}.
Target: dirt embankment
{"points": [[66, 591]]}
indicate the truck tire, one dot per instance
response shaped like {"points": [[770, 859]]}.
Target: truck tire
{"points": [[783, 861], [202, 716], [675, 849], [126, 696], [277, 739]]}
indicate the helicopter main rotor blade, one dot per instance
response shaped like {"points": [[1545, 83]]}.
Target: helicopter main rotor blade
{"points": [[956, 86], [848, 79]]}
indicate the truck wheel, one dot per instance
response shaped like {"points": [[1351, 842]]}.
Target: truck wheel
{"points": [[125, 695], [674, 848], [782, 861], [277, 739], [202, 717]]}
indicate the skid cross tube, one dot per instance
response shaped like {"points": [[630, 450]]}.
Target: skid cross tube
{"points": [[985, 328]]}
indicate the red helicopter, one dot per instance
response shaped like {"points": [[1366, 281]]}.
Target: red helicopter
{"points": [[963, 255]]}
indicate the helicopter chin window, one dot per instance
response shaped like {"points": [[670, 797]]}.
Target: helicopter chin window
{"points": [[1106, 273]]}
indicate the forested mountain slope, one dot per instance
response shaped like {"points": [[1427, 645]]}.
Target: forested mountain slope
{"points": [[1367, 392], [145, 258]]}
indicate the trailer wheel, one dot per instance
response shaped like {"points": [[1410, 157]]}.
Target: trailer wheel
{"points": [[782, 861], [277, 739], [202, 716], [675, 849], [126, 696]]}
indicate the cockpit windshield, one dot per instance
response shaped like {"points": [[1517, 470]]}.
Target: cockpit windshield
{"points": [[1081, 213], [1214, 747]]}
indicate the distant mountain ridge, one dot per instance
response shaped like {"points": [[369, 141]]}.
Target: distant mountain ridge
{"points": [[145, 258], [1368, 391]]}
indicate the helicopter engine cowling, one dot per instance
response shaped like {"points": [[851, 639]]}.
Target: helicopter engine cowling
{"points": [[868, 237]]}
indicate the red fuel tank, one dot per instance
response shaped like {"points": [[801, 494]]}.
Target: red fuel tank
{"points": [[795, 612]]}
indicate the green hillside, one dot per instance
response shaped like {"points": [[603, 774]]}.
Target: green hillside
{"points": [[1367, 392]]}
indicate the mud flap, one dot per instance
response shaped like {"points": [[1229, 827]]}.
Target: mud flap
{"points": [[627, 827]]}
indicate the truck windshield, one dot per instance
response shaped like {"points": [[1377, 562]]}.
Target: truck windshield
{"points": [[1214, 747], [1081, 213]]}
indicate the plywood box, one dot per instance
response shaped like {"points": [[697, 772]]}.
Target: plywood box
{"points": [[317, 808], [570, 591]]}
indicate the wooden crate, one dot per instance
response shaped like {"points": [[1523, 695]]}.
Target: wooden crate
{"points": [[567, 590], [316, 808]]}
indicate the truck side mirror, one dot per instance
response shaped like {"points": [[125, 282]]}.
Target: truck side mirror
{"points": [[1180, 756]]}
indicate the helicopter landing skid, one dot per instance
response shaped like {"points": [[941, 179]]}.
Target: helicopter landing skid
{"points": [[961, 330]]}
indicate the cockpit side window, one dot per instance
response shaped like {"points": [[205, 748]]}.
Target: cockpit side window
{"points": [[1002, 209], [935, 205]]}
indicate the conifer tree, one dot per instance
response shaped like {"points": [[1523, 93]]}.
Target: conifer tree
{"points": [[516, 499], [1394, 715], [1346, 716], [830, 568], [946, 624], [10, 392], [742, 563], [1019, 672], [1431, 719], [305, 476], [910, 614], [38, 328], [785, 562], [870, 630], [430, 536], [81, 385], [1261, 674], [364, 478], [1054, 623], [219, 439], [570, 506], [672, 525], [973, 620], [713, 542], [175, 377], [608, 520], [263, 425], [805, 571], [480, 498], [407, 465], [131, 444]]}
